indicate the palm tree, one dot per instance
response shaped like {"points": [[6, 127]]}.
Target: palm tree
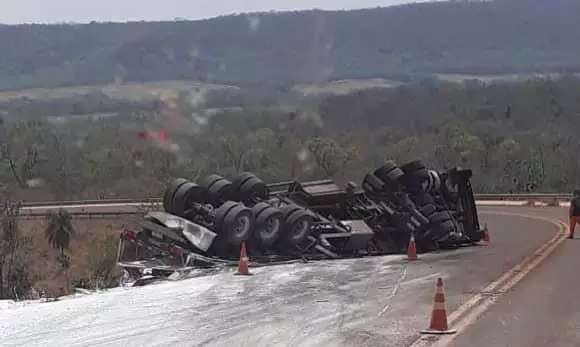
{"points": [[59, 231]]}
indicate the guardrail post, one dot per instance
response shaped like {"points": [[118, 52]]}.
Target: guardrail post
{"points": [[531, 202]]}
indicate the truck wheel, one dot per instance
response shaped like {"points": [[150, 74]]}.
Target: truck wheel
{"points": [[415, 176], [170, 193], [413, 167], [423, 199], [385, 169], [236, 225], [388, 166], [259, 208], [289, 209], [220, 214], [436, 180], [268, 227], [428, 210], [297, 228], [389, 173], [373, 181], [185, 196], [440, 217], [253, 188], [395, 175], [218, 189], [237, 183], [444, 230]]}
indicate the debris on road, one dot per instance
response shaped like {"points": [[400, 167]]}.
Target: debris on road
{"points": [[205, 225]]}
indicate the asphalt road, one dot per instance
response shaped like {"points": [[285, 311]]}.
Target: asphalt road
{"points": [[379, 301], [542, 310]]}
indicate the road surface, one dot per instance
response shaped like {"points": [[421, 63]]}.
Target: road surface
{"points": [[542, 310], [379, 301]]}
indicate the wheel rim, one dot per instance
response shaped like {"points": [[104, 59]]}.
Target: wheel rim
{"points": [[271, 226], [241, 226], [300, 228]]}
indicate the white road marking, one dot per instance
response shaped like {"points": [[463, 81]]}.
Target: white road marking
{"points": [[469, 312], [394, 292]]}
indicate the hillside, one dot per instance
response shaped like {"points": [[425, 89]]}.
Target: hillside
{"points": [[401, 43]]}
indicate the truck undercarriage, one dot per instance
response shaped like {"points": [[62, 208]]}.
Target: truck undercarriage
{"points": [[203, 226]]}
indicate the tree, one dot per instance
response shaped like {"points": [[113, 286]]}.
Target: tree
{"points": [[59, 233], [15, 281], [329, 155], [20, 145]]}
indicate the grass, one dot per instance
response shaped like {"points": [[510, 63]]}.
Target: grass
{"points": [[42, 263], [344, 86], [128, 91]]}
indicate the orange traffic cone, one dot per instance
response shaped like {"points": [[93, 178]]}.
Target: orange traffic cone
{"points": [[438, 323], [486, 238], [243, 267], [412, 249]]}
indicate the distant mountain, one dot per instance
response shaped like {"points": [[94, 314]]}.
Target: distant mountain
{"points": [[402, 42]]}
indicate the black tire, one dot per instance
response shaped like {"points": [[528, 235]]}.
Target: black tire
{"points": [[237, 183], [385, 169], [436, 180], [296, 228], [420, 217], [430, 185], [446, 227], [395, 175], [419, 175], [441, 232], [428, 210], [220, 214], [170, 193], [218, 189], [440, 217], [423, 199], [259, 208], [187, 194], [253, 188], [237, 226], [289, 209], [210, 180], [368, 188], [269, 225], [376, 183], [413, 167]]}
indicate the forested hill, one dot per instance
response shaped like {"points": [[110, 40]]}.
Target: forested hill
{"points": [[402, 42]]}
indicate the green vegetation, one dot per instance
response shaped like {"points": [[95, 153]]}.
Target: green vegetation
{"points": [[15, 281], [401, 43], [517, 137]]}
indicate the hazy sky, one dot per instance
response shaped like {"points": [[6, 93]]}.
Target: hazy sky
{"points": [[43, 11]]}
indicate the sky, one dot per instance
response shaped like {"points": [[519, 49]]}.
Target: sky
{"points": [[82, 11]]}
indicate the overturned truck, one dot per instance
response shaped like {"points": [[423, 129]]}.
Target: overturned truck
{"points": [[205, 224]]}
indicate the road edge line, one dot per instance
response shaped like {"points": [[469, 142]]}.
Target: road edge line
{"points": [[467, 313]]}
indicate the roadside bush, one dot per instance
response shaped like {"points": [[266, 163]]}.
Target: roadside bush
{"points": [[102, 260]]}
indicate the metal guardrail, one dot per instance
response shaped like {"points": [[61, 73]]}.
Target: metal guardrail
{"points": [[524, 196], [39, 209], [482, 196], [91, 202]]}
